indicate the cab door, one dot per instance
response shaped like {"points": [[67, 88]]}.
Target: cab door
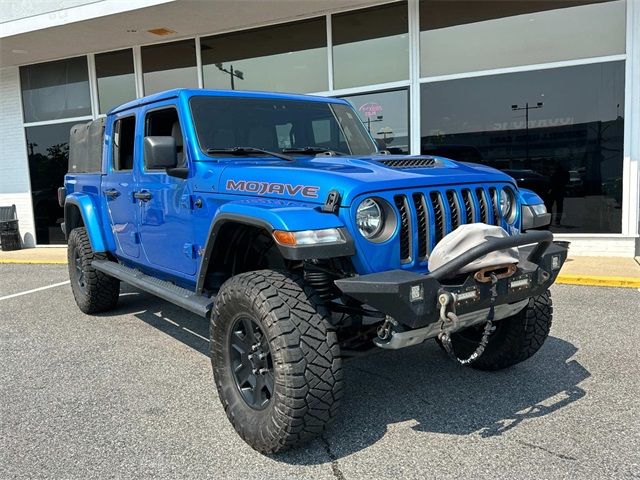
{"points": [[118, 186], [166, 206]]}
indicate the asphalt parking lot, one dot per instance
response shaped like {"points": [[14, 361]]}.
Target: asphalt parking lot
{"points": [[130, 395]]}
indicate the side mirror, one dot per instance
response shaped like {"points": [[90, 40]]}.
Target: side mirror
{"points": [[160, 153], [179, 172]]}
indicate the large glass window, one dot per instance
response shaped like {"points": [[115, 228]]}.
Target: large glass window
{"points": [[284, 58], [169, 65], [48, 151], [370, 46], [558, 132], [386, 117], [467, 36], [55, 90], [116, 80]]}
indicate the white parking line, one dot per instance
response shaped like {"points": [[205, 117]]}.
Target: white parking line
{"points": [[34, 290]]}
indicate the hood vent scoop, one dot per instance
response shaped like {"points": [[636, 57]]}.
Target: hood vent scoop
{"points": [[409, 162]]}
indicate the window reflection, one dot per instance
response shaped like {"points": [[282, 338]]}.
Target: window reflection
{"points": [[386, 117], [285, 58], [116, 81], [571, 154], [370, 46], [48, 151], [55, 90], [467, 36], [169, 65]]}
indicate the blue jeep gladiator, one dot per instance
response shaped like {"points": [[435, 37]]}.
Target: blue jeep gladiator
{"points": [[279, 219]]}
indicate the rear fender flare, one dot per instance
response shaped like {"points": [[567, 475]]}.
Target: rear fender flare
{"points": [[90, 217]]}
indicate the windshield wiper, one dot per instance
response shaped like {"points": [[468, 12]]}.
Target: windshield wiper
{"points": [[311, 150], [248, 151]]}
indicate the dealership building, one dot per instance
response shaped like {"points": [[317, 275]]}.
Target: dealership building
{"points": [[548, 91]]}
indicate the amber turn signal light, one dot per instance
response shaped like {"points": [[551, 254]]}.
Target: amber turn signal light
{"points": [[284, 238]]}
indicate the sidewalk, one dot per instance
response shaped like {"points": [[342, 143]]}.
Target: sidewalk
{"points": [[41, 255], [601, 271], [598, 271]]}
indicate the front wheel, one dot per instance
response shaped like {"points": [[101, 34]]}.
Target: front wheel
{"points": [[514, 339], [276, 359]]}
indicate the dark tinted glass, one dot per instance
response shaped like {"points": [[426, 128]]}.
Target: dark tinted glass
{"points": [[165, 123], [123, 143], [274, 124], [370, 46], [48, 150], [474, 35], [55, 90], [285, 58], [386, 117], [169, 65], [116, 81], [570, 151]]}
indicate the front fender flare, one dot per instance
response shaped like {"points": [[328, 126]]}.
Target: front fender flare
{"points": [[529, 197], [90, 217], [276, 216]]}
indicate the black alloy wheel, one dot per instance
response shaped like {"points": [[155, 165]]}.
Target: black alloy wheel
{"points": [[251, 362], [79, 271]]}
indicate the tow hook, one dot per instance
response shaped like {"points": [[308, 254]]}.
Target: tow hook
{"points": [[449, 317], [385, 331]]}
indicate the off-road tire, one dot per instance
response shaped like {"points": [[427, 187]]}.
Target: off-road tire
{"points": [[515, 339], [100, 292], [307, 367]]}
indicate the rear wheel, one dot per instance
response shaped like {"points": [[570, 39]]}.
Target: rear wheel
{"points": [[93, 290], [514, 339], [275, 358]]}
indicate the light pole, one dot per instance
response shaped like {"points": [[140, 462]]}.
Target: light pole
{"points": [[526, 109], [232, 73], [369, 122], [31, 145]]}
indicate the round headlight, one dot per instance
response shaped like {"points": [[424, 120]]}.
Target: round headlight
{"points": [[369, 218], [507, 204]]}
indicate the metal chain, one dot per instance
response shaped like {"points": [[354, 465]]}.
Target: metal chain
{"points": [[445, 338]]}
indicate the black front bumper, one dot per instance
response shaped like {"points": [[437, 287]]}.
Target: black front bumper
{"points": [[412, 298]]}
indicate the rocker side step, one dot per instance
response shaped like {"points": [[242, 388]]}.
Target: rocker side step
{"points": [[198, 304]]}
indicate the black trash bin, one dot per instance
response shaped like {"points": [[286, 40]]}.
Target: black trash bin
{"points": [[9, 231]]}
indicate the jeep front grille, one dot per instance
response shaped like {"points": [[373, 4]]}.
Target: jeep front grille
{"points": [[405, 229], [439, 212]]}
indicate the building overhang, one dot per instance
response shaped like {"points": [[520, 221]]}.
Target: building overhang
{"points": [[111, 24]]}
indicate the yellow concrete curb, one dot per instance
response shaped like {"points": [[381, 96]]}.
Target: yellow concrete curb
{"points": [[33, 262], [598, 281]]}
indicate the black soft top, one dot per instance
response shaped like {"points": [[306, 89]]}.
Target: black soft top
{"points": [[85, 147]]}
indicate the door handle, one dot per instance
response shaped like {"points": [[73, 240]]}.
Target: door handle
{"points": [[112, 193], [143, 195]]}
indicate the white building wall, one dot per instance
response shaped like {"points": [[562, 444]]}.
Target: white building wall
{"points": [[585, 245], [14, 165]]}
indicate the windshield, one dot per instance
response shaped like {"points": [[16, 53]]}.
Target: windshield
{"points": [[276, 125]]}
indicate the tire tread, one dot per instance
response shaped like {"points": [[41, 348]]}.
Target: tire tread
{"points": [[102, 291], [307, 399], [521, 335]]}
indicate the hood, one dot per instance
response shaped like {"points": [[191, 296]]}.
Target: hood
{"points": [[310, 179]]}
